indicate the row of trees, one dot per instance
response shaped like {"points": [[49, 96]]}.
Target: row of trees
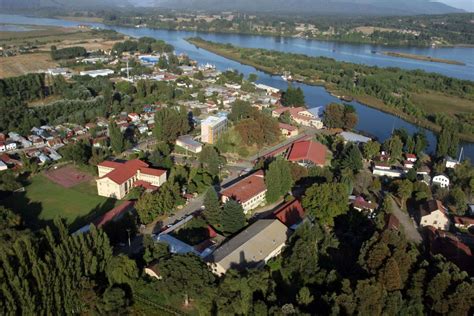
{"points": [[68, 52]]}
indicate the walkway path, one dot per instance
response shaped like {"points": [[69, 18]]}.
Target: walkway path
{"points": [[409, 226]]}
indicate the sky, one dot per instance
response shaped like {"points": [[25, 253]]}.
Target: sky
{"points": [[467, 5]]}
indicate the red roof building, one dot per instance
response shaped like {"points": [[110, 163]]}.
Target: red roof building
{"points": [[114, 213], [249, 192], [308, 153], [463, 222], [116, 178], [291, 213]]}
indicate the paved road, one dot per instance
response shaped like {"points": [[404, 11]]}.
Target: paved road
{"points": [[409, 226], [193, 205], [266, 151]]}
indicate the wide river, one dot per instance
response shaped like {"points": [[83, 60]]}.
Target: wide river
{"points": [[371, 121]]}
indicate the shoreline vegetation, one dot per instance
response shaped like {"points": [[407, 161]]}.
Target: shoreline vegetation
{"points": [[244, 56], [424, 58]]}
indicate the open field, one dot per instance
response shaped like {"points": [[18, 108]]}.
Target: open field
{"points": [[68, 176], [437, 102], [45, 200], [42, 38], [368, 30], [23, 64]]}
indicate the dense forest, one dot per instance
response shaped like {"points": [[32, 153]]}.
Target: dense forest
{"points": [[394, 87], [68, 52]]}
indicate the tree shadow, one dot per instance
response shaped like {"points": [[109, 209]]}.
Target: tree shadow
{"points": [[29, 211], [99, 210]]}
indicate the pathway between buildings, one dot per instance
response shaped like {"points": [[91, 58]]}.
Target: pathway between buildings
{"points": [[409, 227]]}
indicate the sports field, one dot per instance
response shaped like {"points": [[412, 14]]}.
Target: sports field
{"points": [[44, 200]]}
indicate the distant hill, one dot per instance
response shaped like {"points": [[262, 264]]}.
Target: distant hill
{"points": [[313, 7], [333, 7]]}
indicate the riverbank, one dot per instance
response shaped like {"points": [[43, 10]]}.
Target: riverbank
{"points": [[230, 52], [424, 58]]}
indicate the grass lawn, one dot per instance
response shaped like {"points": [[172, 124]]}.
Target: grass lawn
{"points": [[44, 200]]}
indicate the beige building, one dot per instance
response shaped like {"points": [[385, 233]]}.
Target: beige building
{"points": [[116, 179], [435, 214], [212, 128], [251, 248], [249, 192]]}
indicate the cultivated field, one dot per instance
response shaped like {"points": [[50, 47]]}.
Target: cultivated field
{"points": [[42, 38]]}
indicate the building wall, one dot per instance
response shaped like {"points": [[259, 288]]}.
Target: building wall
{"points": [[103, 170], [251, 204], [211, 133], [388, 173], [436, 219], [108, 188], [154, 180]]}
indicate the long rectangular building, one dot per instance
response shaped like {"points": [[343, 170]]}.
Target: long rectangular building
{"points": [[251, 248], [249, 192]]}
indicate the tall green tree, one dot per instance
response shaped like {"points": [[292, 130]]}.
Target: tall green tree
{"points": [[233, 217], [326, 201], [212, 210], [117, 139]]}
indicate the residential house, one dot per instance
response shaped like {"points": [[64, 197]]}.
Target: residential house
{"points": [[300, 115], [361, 205], [116, 179], [251, 248], [451, 163], [411, 157], [441, 180], [288, 130], [463, 222], [250, 192], [433, 213], [307, 153]]}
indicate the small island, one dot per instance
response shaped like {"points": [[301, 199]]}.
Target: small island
{"points": [[424, 58]]}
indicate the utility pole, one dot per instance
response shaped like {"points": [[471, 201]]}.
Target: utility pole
{"points": [[129, 243]]}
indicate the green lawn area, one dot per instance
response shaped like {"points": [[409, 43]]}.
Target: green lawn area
{"points": [[44, 200]]}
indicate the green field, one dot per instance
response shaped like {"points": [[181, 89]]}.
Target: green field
{"points": [[437, 102], [44, 200]]}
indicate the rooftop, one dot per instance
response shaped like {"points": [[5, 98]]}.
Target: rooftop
{"points": [[290, 213], [308, 150], [125, 170], [246, 188], [251, 246], [213, 120]]}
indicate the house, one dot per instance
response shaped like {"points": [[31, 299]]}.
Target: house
{"points": [[350, 137], [384, 172], [411, 157], [153, 271], [250, 192], [451, 163], [291, 214], [10, 145], [360, 204], [433, 213], [440, 180], [308, 153], [300, 115], [116, 179], [463, 222], [251, 248], [187, 142], [134, 117], [407, 164], [288, 130]]}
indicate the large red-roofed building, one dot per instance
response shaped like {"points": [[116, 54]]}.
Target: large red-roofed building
{"points": [[250, 192], [116, 179], [308, 153], [291, 214]]}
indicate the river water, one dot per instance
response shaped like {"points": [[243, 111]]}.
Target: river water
{"points": [[371, 121]]}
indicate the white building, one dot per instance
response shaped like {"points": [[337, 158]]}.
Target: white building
{"points": [[249, 192], [451, 163], [251, 248], [440, 180], [97, 73], [212, 128], [391, 173], [433, 213]]}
